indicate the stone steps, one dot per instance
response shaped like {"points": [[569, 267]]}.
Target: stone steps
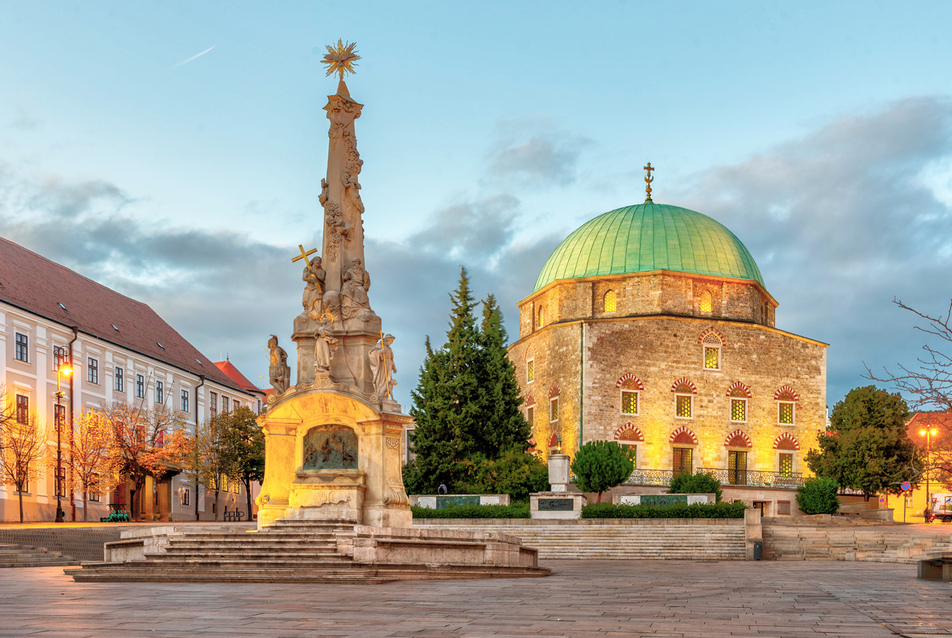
{"points": [[21, 556], [829, 543]]}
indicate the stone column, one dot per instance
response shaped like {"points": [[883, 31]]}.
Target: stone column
{"points": [[164, 498]]}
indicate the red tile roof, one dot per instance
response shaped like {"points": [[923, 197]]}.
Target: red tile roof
{"points": [[228, 368], [42, 287]]}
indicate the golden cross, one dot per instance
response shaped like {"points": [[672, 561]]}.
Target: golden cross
{"points": [[648, 180], [304, 254]]}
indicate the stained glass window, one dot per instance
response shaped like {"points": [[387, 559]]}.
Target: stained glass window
{"points": [[738, 409], [611, 301], [785, 412], [629, 402], [682, 460], [712, 358], [737, 467], [530, 370], [786, 465], [706, 301], [683, 406], [530, 415], [554, 409]]}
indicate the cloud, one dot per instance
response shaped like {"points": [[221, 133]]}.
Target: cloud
{"points": [[843, 220], [531, 152]]}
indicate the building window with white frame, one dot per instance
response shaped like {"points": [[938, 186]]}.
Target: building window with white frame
{"points": [[785, 412], [554, 408], [738, 400], [224, 403], [530, 368], [60, 357], [92, 370], [120, 381], [184, 400], [684, 401], [712, 352], [213, 403], [140, 386], [22, 409], [22, 349], [159, 392], [629, 397]]}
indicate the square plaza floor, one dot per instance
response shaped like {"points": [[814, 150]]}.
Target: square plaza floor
{"points": [[580, 598]]}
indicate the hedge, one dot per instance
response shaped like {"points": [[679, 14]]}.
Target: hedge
{"points": [[516, 510], [678, 510]]}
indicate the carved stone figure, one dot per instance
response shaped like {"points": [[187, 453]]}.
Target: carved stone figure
{"points": [[382, 367], [279, 371], [325, 193], [314, 290], [354, 286], [337, 229], [324, 346]]}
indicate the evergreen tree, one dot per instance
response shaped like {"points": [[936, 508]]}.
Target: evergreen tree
{"points": [[505, 425]]}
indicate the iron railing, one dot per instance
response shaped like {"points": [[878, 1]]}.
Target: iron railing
{"points": [[734, 478]]}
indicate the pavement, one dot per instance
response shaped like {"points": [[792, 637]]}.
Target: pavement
{"points": [[710, 599]]}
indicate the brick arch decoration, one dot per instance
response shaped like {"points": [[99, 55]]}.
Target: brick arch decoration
{"points": [[682, 382], [629, 377], [738, 438], [786, 441], [530, 400], [738, 386], [786, 393], [629, 432], [554, 440], [712, 331], [530, 354], [554, 390], [683, 435]]}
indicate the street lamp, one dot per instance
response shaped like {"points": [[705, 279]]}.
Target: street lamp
{"points": [[928, 434], [61, 371]]}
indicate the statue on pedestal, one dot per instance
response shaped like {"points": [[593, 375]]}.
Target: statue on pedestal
{"points": [[279, 371], [354, 286], [382, 367], [314, 290], [324, 346]]}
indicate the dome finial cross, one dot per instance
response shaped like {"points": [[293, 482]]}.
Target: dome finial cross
{"points": [[648, 180]]}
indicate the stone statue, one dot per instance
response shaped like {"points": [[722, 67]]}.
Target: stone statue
{"points": [[324, 346], [354, 286], [279, 371], [314, 290], [382, 367], [325, 192]]}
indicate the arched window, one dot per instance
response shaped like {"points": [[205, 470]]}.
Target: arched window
{"points": [[684, 391], [554, 403], [630, 387], [630, 436], [739, 395], [530, 411], [786, 399], [541, 316], [683, 441], [711, 345], [738, 443], [530, 366], [787, 446], [611, 301], [707, 301]]}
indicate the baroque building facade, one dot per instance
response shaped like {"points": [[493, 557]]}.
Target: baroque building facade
{"points": [[651, 325], [120, 350]]}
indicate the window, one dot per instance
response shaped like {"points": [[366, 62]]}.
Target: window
{"points": [[541, 316], [738, 396], [629, 401], [92, 370], [712, 352], [213, 403], [530, 415], [184, 400], [611, 301], [224, 403], [530, 370], [235, 405], [22, 347], [786, 465], [737, 467], [60, 357], [23, 408], [682, 460], [120, 387], [785, 412], [94, 488], [185, 495], [554, 409], [159, 392], [783, 508], [683, 404], [707, 302], [23, 470]]}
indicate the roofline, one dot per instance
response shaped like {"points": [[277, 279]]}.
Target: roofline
{"points": [[642, 273], [124, 347], [705, 320]]}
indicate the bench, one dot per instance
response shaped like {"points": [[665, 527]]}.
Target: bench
{"points": [[936, 568]]}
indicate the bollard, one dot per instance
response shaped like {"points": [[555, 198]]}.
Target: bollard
{"points": [[758, 550]]}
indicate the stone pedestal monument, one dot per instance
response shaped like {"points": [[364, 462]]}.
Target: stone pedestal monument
{"points": [[333, 440]]}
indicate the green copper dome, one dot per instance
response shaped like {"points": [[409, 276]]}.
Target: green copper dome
{"points": [[647, 237]]}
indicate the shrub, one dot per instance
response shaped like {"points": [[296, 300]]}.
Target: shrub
{"points": [[818, 496], [679, 510], [519, 509], [514, 473], [700, 483], [601, 465]]}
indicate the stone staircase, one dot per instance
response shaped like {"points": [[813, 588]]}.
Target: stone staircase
{"points": [[290, 551], [645, 539], [838, 543], [21, 556]]}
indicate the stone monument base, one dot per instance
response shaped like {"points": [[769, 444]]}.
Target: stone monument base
{"points": [[564, 505]]}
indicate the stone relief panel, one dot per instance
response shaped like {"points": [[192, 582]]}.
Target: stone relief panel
{"points": [[330, 447]]}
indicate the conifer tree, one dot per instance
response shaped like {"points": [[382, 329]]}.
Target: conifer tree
{"points": [[505, 425]]}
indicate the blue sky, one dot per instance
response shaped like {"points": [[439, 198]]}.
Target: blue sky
{"points": [[818, 134]]}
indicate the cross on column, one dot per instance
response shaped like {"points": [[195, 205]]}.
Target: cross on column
{"points": [[304, 254]]}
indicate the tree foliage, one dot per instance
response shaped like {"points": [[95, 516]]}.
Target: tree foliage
{"points": [[817, 495], [700, 483], [20, 448], [514, 473], [89, 457], [466, 404], [865, 446], [601, 465], [243, 449]]}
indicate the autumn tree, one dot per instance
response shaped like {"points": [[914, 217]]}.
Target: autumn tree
{"points": [[145, 443], [20, 446], [242, 451], [205, 461], [90, 455]]}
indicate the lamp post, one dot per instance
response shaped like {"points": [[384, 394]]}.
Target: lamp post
{"points": [[61, 371], [928, 434]]}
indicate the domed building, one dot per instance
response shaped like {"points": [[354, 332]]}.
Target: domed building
{"points": [[651, 325]]}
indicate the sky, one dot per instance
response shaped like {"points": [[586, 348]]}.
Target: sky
{"points": [[173, 151]]}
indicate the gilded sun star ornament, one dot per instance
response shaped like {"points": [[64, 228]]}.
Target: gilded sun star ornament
{"points": [[341, 58]]}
